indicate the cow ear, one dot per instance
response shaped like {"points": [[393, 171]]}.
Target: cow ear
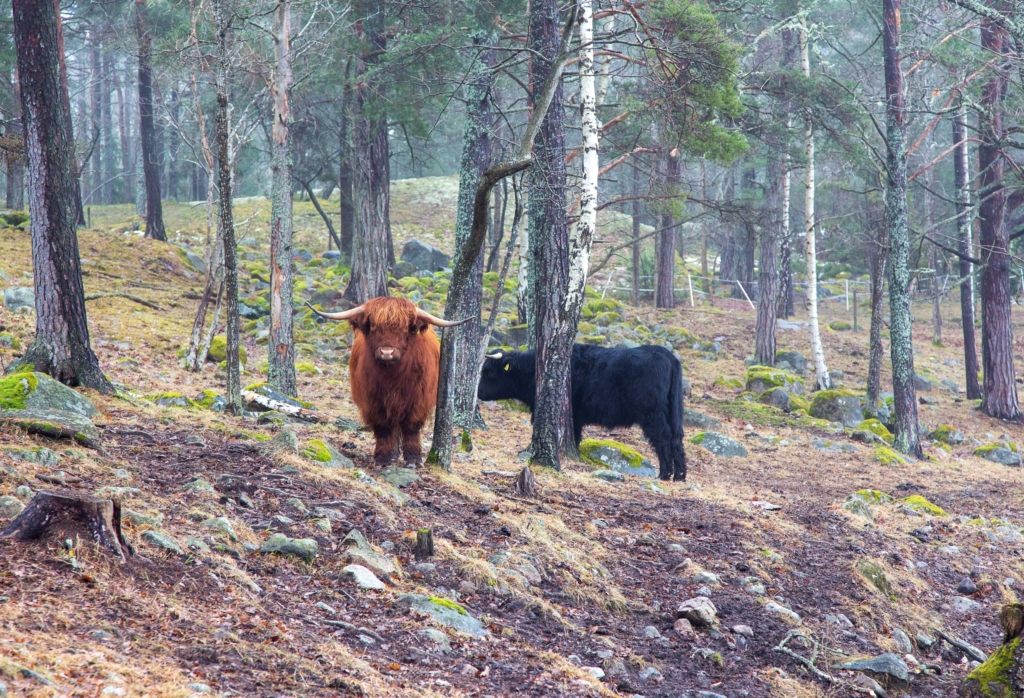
{"points": [[418, 326], [361, 323]]}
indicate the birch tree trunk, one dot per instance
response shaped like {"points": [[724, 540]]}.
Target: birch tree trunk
{"points": [[901, 345], [821, 377], [460, 345], [582, 236], [965, 247], [225, 212], [281, 354], [61, 346], [147, 128], [371, 248], [767, 301], [664, 294], [785, 301], [999, 388]]}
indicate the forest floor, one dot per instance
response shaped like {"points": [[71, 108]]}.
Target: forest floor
{"points": [[587, 577]]}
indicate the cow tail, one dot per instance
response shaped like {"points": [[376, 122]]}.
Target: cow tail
{"points": [[675, 400]]}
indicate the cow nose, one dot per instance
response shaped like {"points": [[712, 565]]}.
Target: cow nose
{"points": [[387, 354]]}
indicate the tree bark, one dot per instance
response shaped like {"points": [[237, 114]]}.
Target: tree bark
{"points": [[92, 187], [173, 145], [65, 97], [553, 330], [879, 261], [767, 300], [460, 345], [636, 239], [14, 158], [147, 128], [665, 294], [371, 249], [61, 345], [124, 129], [965, 247], [107, 129], [821, 377], [999, 388], [345, 202], [68, 517], [281, 354], [225, 212], [906, 436]]}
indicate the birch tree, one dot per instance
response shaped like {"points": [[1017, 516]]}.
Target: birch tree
{"points": [[964, 243]]}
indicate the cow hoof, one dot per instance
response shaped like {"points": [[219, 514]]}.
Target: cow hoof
{"points": [[413, 464]]}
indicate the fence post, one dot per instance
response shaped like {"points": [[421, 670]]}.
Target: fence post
{"points": [[847, 282], [854, 308], [689, 281], [745, 294]]}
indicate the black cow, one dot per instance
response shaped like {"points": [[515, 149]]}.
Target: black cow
{"points": [[610, 387]]}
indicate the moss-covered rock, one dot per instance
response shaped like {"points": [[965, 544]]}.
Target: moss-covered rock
{"points": [[776, 397], [840, 326], [307, 368], [799, 402], [586, 328], [9, 341], [31, 390], [324, 454], [916, 502], [887, 456], [762, 378], [838, 405], [171, 399], [210, 400], [605, 453], [947, 434], [726, 382], [1002, 452], [875, 575], [876, 428], [997, 676], [219, 351]]}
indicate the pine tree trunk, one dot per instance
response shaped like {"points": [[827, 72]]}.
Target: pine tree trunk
{"points": [[225, 212], [107, 130], [345, 202], [65, 97], [124, 129], [966, 248], [460, 345], [61, 345], [92, 187], [665, 294], [1000, 391], [553, 330], [147, 128], [876, 351], [767, 300], [821, 377], [371, 249], [636, 239], [14, 196], [281, 354], [901, 344], [173, 145]]}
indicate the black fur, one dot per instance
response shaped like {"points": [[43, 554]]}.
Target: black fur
{"points": [[610, 387]]}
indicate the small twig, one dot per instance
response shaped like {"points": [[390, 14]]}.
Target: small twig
{"points": [[136, 299], [809, 663]]}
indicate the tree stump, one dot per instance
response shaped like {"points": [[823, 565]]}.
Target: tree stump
{"points": [[424, 543], [64, 516], [525, 483]]}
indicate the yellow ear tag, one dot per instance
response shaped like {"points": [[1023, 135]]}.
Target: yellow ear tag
{"points": [[507, 367]]}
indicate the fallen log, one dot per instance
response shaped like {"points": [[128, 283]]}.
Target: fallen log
{"points": [[282, 407]]}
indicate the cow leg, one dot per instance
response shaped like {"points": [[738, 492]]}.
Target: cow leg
{"points": [[679, 462], [411, 445], [386, 449], [659, 435]]}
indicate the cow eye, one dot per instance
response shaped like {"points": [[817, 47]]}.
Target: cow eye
{"points": [[508, 367]]}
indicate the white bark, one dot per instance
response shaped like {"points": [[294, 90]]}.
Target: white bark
{"points": [[821, 377], [604, 81], [582, 235]]}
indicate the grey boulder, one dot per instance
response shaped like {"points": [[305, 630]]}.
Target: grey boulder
{"points": [[720, 445], [423, 256], [19, 297]]}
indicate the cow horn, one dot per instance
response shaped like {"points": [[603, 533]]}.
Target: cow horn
{"points": [[424, 315], [495, 355], [343, 315]]}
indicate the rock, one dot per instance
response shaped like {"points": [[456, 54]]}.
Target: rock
{"points": [[403, 269], [902, 640], [827, 446], [220, 524], [719, 444], [875, 575], [20, 297], [40, 456], [198, 486], [919, 504], [24, 493], [423, 256], [285, 442], [998, 676], [964, 605], [306, 548], [346, 424], [10, 507], [865, 681], [705, 577], [651, 633], [966, 586], [700, 611], [947, 434], [399, 477], [793, 358], [760, 379], [443, 611], [650, 675], [921, 383], [699, 420], [355, 539], [380, 564], [683, 628], [364, 578], [55, 424], [37, 391], [138, 519], [886, 668], [596, 672], [780, 610], [950, 386], [744, 630], [323, 453], [949, 550], [1004, 453], [858, 506], [776, 397], [616, 456], [608, 475], [162, 541], [925, 642], [838, 405], [438, 637], [196, 544], [531, 573], [333, 255]]}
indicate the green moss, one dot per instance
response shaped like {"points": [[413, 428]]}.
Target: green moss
{"points": [[876, 428], [465, 442], [725, 382], [799, 402], [876, 576], [995, 675], [835, 393], [255, 386], [606, 318], [586, 328], [840, 326], [317, 450], [751, 397], [944, 433], [697, 438], [771, 377], [987, 448], [14, 390], [916, 502], [447, 603], [219, 350], [887, 456], [514, 405], [872, 496], [9, 341], [307, 368], [588, 446]]}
